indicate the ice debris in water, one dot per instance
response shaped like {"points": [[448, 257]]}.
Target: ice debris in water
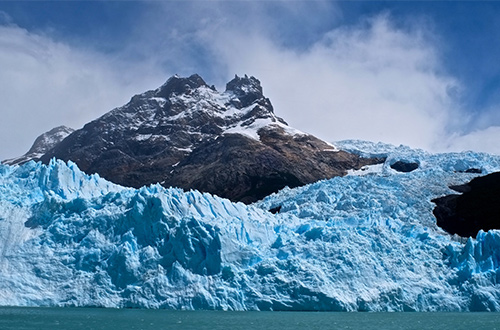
{"points": [[366, 241]]}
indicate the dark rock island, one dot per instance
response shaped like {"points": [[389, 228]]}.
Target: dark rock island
{"points": [[478, 207]]}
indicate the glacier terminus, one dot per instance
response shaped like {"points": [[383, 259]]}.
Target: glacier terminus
{"points": [[367, 241]]}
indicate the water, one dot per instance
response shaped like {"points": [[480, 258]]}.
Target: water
{"points": [[96, 318]]}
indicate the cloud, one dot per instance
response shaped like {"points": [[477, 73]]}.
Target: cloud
{"points": [[183, 37], [483, 140], [369, 81], [477, 131], [376, 79], [5, 18], [45, 83]]}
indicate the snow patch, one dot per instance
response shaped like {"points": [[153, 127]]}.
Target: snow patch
{"points": [[367, 170], [142, 137]]}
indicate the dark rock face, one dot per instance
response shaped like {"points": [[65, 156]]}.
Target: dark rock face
{"points": [[275, 210], [242, 169], [404, 167], [42, 144], [247, 90], [187, 134], [478, 207]]}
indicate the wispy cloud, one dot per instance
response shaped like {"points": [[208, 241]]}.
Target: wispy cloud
{"points": [[485, 140], [44, 84], [370, 81], [5, 18]]}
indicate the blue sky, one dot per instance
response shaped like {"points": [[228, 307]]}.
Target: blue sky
{"points": [[420, 73]]}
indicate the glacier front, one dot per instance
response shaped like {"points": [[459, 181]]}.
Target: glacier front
{"points": [[364, 242]]}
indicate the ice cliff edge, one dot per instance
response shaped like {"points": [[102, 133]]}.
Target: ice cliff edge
{"points": [[366, 241]]}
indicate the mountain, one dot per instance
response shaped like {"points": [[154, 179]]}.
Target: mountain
{"points": [[42, 144], [187, 134], [367, 241]]}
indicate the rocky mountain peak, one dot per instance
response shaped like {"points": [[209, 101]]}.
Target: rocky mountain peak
{"points": [[42, 144], [180, 85], [246, 89], [49, 139]]}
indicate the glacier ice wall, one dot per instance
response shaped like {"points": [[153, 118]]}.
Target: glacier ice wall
{"points": [[367, 241]]}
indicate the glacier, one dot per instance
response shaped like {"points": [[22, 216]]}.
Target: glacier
{"points": [[363, 242]]}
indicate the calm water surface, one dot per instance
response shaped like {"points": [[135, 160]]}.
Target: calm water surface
{"points": [[95, 318]]}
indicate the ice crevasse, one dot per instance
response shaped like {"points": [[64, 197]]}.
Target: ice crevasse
{"points": [[367, 241]]}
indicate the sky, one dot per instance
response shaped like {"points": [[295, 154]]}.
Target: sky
{"points": [[420, 73]]}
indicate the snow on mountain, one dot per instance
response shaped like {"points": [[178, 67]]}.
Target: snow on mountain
{"points": [[185, 99], [187, 134], [42, 145], [359, 242]]}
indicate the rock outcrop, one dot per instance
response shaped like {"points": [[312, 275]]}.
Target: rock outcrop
{"points": [[478, 207]]}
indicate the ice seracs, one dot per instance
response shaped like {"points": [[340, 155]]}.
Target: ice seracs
{"points": [[352, 243]]}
